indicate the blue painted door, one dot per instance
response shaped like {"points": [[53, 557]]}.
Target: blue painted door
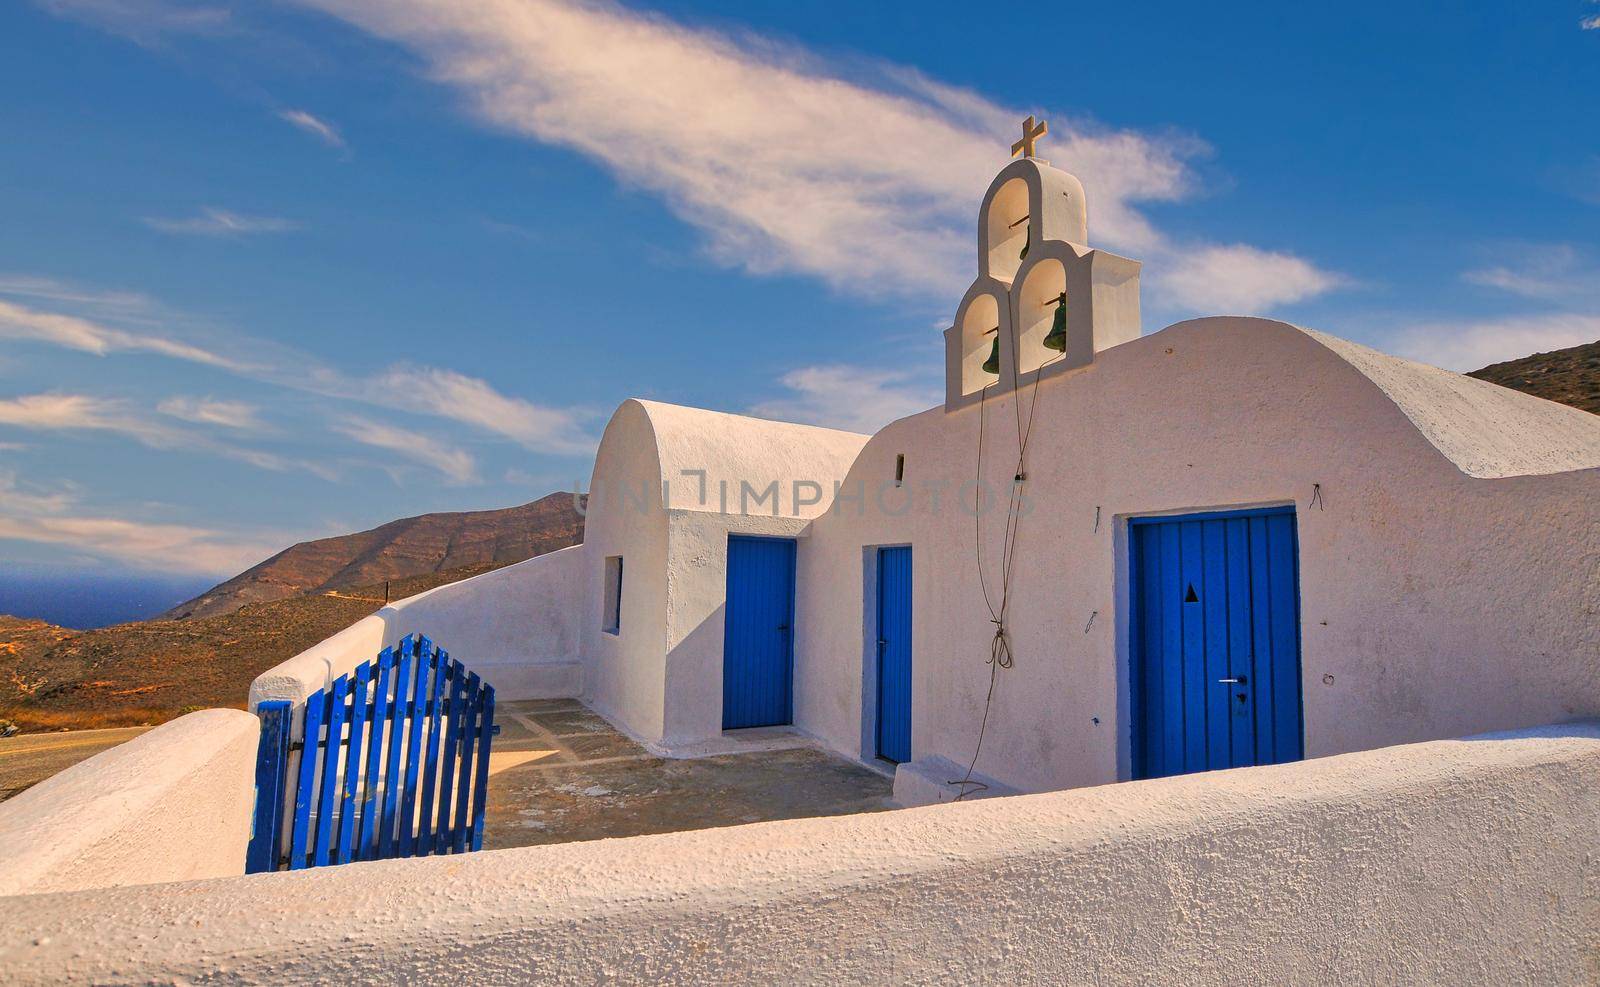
{"points": [[894, 654], [1215, 641], [757, 637]]}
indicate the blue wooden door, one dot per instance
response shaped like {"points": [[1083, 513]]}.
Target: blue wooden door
{"points": [[757, 637], [1215, 636], [894, 654]]}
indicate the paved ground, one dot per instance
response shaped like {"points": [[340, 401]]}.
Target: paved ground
{"points": [[30, 758], [559, 774]]}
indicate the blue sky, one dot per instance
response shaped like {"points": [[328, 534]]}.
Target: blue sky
{"points": [[271, 271]]}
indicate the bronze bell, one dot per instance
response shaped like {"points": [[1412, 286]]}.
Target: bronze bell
{"points": [[1057, 340], [992, 365]]}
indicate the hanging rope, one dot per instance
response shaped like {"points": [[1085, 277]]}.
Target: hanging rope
{"points": [[1000, 655]]}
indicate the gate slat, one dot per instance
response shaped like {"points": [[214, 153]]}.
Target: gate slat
{"points": [[272, 764], [401, 715], [447, 762], [365, 845], [470, 707], [405, 837], [423, 844], [481, 784], [350, 801], [328, 754], [316, 708]]}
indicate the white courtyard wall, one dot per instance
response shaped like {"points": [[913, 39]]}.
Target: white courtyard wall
{"points": [[517, 627], [1433, 603], [173, 804], [1446, 862]]}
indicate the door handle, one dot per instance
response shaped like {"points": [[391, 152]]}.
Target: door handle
{"points": [[1237, 680], [783, 627]]}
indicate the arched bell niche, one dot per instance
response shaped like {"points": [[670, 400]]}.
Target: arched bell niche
{"points": [[982, 313], [1006, 232], [1037, 299]]}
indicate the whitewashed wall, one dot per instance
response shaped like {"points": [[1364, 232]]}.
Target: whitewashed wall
{"points": [[670, 484], [1447, 862], [516, 626], [1434, 603], [173, 804]]}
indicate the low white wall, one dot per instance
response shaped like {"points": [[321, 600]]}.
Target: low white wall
{"points": [[516, 627], [1450, 861], [173, 804]]}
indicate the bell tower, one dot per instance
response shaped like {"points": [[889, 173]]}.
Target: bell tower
{"points": [[1043, 302]]}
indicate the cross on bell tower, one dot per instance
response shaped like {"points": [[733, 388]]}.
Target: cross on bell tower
{"points": [[1030, 134]]}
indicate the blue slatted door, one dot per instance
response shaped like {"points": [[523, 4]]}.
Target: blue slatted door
{"points": [[894, 654], [757, 641], [1216, 641]]}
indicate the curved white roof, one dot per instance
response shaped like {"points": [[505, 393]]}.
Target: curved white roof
{"points": [[1487, 430], [741, 458]]}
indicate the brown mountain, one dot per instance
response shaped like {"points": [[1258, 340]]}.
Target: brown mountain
{"points": [[413, 546], [205, 652], [53, 678], [1570, 376]]}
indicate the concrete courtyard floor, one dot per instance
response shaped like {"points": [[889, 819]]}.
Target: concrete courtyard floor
{"points": [[559, 773]]}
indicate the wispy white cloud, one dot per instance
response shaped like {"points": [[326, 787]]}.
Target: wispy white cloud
{"points": [[313, 125], [438, 391], [58, 518], [1558, 272], [456, 466], [213, 411], [1240, 280], [26, 499], [83, 413], [221, 222], [475, 402], [51, 290], [147, 22], [857, 399], [89, 336], [863, 174], [868, 180], [1478, 344]]}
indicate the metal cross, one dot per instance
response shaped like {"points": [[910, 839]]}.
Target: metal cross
{"points": [[1030, 134]]}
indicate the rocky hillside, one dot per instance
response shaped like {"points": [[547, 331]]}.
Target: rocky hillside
{"points": [[414, 546], [1570, 376], [205, 652], [53, 678]]}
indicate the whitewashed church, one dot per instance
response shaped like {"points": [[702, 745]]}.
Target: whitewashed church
{"points": [[1108, 555]]}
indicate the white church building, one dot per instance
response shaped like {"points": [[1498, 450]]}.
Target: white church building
{"points": [[1108, 555]]}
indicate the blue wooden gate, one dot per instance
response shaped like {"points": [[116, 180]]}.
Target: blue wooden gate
{"points": [[757, 640], [394, 762], [1215, 636], [894, 654]]}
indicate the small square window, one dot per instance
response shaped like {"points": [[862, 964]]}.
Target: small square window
{"points": [[612, 623]]}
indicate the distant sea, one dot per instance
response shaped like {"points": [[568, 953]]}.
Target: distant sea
{"points": [[88, 599]]}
